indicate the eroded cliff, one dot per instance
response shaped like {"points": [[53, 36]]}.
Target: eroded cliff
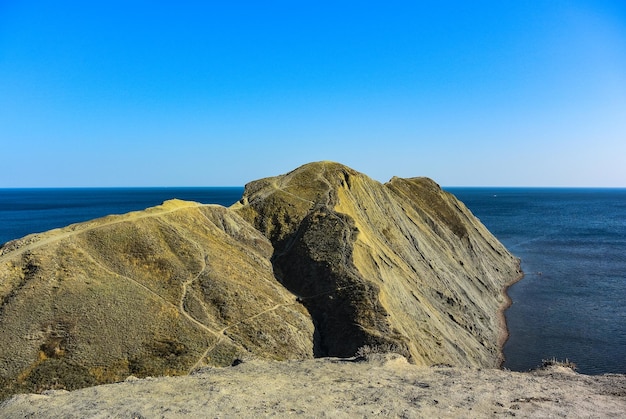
{"points": [[402, 265]]}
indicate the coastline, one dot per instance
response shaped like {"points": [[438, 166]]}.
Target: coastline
{"points": [[504, 334]]}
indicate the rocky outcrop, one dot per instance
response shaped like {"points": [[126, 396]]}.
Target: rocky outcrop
{"points": [[322, 261], [402, 265], [156, 292]]}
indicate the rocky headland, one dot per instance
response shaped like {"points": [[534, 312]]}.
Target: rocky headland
{"points": [[322, 262], [402, 264]]}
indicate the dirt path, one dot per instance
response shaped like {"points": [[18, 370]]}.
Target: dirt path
{"points": [[220, 333]]}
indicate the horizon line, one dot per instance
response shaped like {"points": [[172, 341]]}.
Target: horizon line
{"points": [[243, 186]]}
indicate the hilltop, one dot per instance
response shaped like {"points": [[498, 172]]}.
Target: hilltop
{"points": [[402, 264]]}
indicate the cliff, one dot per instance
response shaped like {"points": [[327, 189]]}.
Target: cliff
{"points": [[322, 261], [402, 265]]}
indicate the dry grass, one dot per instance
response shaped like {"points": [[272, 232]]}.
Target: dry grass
{"points": [[553, 362]]}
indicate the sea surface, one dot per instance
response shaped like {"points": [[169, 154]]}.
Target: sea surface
{"points": [[572, 243], [25, 211], [571, 304]]}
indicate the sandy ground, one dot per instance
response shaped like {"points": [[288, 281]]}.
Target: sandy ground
{"points": [[385, 386]]}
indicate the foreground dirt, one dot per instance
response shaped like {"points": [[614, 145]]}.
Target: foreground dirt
{"points": [[385, 386]]}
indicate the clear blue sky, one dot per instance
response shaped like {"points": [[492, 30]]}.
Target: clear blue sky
{"points": [[155, 93]]}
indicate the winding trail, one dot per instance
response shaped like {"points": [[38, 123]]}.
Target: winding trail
{"points": [[181, 307], [128, 278], [183, 295], [221, 335], [42, 239], [39, 240]]}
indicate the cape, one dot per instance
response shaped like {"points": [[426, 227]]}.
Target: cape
{"points": [[320, 262]]}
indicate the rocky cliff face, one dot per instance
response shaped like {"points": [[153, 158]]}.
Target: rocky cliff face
{"points": [[402, 265], [322, 261]]}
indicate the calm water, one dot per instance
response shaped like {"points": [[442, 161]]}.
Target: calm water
{"points": [[25, 211], [572, 243]]}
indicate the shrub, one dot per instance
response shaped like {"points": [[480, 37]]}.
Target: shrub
{"points": [[553, 362], [366, 351]]}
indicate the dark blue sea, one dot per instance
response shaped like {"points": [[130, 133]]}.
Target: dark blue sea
{"points": [[571, 304], [25, 211], [572, 242]]}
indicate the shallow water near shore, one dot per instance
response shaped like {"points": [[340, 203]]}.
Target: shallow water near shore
{"points": [[572, 243]]}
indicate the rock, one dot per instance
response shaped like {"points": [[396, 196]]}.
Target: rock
{"points": [[404, 266]]}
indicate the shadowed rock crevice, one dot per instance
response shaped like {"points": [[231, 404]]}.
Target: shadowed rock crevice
{"points": [[317, 266]]}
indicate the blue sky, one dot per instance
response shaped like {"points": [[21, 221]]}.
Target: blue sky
{"points": [[155, 93]]}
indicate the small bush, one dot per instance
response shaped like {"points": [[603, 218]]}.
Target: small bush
{"points": [[553, 362], [366, 351], [57, 374]]}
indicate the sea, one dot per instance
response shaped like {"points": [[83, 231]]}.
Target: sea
{"points": [[570, 305]]}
